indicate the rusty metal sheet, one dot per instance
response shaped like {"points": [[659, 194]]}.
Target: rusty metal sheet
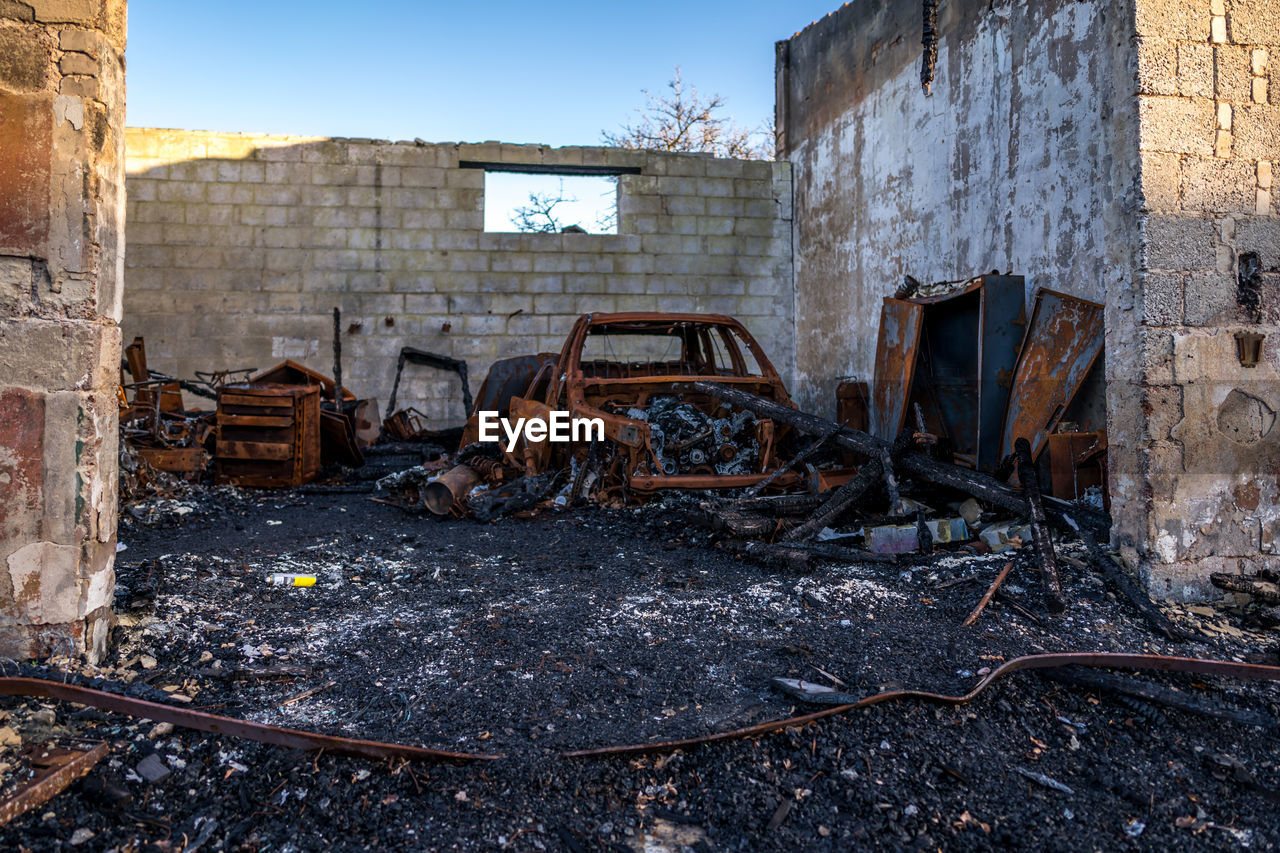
{"points": [[896, 351], [1077, 461], [178, 460], [289, 372], [268, 456], [61, 767], [1063, 340]]}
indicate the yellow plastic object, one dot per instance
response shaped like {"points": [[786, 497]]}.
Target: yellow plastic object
{"points": [[279, 579]]}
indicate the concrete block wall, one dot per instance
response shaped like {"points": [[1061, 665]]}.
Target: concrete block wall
{"points": [[1209, 114], [241, 245], [61, 227]]}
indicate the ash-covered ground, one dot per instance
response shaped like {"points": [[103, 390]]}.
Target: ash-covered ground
{"points": [[584, 628]]}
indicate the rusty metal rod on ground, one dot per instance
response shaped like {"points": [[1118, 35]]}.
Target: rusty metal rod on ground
{"points": [[201, 721], [1062, 514], [1039, 531], [1158, 663], [986, 598]]}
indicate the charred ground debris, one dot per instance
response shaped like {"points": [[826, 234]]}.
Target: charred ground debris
{"points": [[738, 620]]}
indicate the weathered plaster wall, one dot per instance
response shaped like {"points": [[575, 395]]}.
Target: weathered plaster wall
{"points": [[1017, 161], [240, 246], [61, 223], [1209, 100]]}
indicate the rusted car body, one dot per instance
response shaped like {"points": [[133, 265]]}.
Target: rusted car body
{"points": [[634, 371]]}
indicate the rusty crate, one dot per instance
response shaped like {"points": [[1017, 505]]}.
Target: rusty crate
{"points": [[268, 435]]}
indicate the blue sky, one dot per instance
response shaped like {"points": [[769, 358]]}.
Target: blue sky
{"points": [[554, 72]]}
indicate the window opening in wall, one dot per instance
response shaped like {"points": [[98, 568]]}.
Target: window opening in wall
{"points": [[550, 203]]}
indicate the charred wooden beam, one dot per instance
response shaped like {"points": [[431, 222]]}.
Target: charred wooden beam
{"points": [[781, 504], [1129, 588], [844, 497], [1159, 694], [1262, 590], [741, 523], [891, 483], [1061, 514], [1039, 532], [770, 556], [829, 551]]}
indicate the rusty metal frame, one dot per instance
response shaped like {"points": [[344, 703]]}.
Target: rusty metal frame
{"points": [[63, 769]]}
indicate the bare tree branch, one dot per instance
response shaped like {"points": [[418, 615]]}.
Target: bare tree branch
{"points": [[682, 120], [539, 215]]}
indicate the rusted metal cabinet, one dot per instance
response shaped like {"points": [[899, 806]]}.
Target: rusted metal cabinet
{"points": [[268, 435], [953, 356]]}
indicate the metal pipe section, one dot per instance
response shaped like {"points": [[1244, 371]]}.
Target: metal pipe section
{"points": [[442, 493]]}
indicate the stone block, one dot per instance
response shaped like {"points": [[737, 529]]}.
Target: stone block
{"points": [[1257, 132], [1177, 125], [22, 431], [1253, 21], [79, 87], [1233, 73], [78, 63], [57, 356], [1178, 243], [1195, 75], [82, 41], [26, 152], [1162, 295], [1211, 185], [1261, 235], [66, 11], [1210, 299], [24, 61]]}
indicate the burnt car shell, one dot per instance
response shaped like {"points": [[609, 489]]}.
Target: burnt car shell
{"points": [[659, 432]]}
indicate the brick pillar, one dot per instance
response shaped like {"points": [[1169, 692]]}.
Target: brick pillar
{"points": [[61, 258], [1206, 497]]}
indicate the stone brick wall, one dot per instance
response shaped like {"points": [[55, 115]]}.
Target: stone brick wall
{"points": [[1209, 104], [61, 220], [240, 246]]}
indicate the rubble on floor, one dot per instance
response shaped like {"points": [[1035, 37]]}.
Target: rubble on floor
{"points": [[612, 627]]}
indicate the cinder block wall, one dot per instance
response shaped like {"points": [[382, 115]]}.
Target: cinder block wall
{"points": [[240, 246], [61, 222], [1209, 106]]}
